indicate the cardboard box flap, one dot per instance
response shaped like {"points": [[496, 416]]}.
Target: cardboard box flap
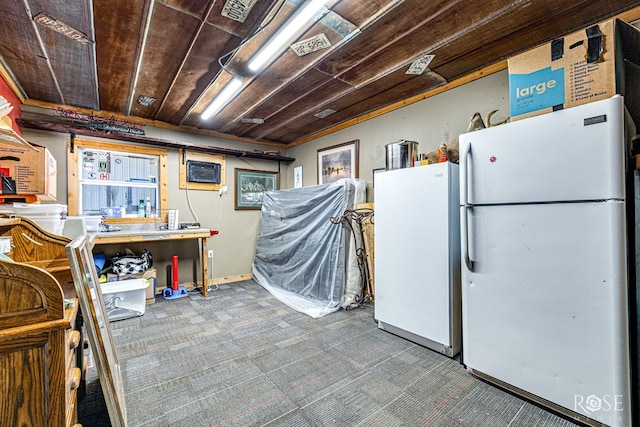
{"points": [[628, 40], [10, 137], [628, 63]]}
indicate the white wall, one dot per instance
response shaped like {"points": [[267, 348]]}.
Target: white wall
{"points": [[440, 118], [431, 121]]}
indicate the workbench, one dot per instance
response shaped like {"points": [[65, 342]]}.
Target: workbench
{"points": [[138, 236]]}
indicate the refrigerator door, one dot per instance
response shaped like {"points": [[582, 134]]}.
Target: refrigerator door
{"points": [[568, 155], [417, 263], [545, 309]]}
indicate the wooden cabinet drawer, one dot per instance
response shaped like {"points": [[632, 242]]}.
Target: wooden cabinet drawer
{"points": [[73, 338], [73, 378]]}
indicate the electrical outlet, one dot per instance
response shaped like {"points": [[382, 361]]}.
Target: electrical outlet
{"points": [[210, 253], [223, 190]]}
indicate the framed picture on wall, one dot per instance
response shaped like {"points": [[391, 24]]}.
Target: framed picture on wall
{"points": [[337, 162], [297, 177], [251, 185]]}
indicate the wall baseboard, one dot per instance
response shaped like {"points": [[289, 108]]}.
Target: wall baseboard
{"points": [[231, 279]]}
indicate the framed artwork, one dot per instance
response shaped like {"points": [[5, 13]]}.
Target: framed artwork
{"points": [[94, 313], [297, 177], [337, 162], [251, 185]]}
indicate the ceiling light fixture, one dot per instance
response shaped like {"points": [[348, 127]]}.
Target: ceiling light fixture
{"points": [[296, 23], [223, 98]]}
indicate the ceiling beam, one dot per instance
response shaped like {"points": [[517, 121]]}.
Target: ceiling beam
{"points": [[43, 49], [143, 43]]}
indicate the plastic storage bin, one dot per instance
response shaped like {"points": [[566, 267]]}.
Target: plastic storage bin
{"points": [[49, 216], [92, 222], [125, 298]]}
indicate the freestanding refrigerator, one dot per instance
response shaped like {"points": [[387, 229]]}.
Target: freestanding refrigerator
{"points": [[544, 270], [417, 255]]}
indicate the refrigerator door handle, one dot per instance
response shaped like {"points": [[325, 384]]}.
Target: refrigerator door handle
{"points": [[464, 236], [464, 197], [464, 188]]}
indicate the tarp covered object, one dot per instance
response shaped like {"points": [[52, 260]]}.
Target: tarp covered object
{"points": [[300, 253]]}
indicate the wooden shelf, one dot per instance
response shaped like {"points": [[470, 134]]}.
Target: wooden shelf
{"points": [[66, 128]]}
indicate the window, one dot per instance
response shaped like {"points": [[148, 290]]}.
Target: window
{"points": [[111, 179]]}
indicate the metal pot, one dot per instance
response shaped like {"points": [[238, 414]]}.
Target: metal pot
{"points": [[401, 154]]}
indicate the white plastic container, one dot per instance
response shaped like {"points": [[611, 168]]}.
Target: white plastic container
{"points": [[92, 222], [51, 217], [73, 227], [125, 298]]}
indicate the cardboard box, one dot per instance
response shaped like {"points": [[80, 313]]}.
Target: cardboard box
{"points": [[151, 275], [25, 171], [589, 65]]}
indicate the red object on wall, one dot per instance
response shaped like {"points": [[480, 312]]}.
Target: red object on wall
{"points": [[16, 113]]}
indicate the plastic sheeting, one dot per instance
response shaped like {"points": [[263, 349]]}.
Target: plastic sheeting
{"points": [[300, 254]]}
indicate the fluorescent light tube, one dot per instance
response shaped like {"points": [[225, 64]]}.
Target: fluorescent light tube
{"points": [[223, 98], [286, 33]]}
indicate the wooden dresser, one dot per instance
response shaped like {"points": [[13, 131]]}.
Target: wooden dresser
{"points": [[41, 361]]}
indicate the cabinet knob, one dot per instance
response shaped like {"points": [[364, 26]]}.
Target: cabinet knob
{"points": [[74, 339], [74, 380]]}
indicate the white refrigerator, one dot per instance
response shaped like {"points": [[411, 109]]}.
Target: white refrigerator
{"points": [[544, 250], [417, 255]]}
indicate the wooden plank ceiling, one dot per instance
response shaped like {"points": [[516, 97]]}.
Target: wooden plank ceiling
{"points": [[183, 52]]}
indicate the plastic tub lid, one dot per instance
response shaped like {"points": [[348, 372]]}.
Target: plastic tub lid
{"points": [[29, 209], [124, 285]]}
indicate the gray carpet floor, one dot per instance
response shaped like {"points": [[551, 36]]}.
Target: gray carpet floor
{"points": [[242, 358]]}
